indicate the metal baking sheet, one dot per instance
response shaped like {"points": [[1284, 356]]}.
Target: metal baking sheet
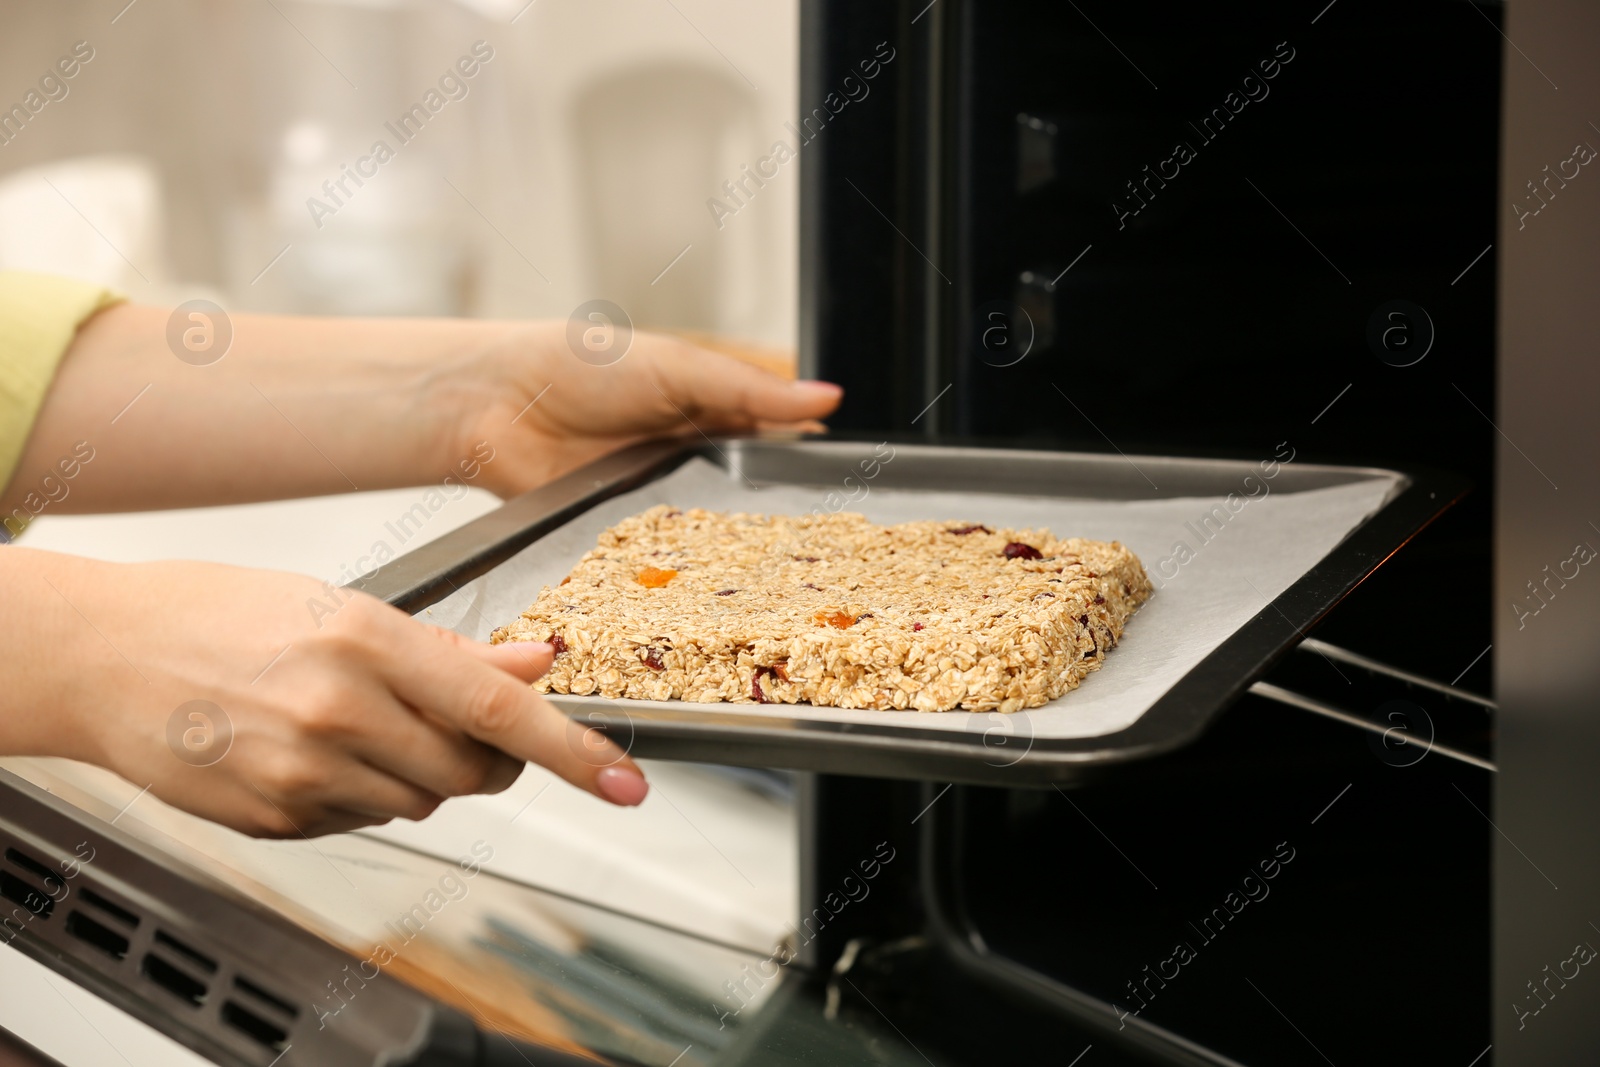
{"points": [[1266, 548]]}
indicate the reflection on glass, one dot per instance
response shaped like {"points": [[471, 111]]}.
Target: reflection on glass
{"points": [[523, 962]]}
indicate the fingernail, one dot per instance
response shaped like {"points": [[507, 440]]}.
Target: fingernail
{"points": [[827, 388], [622, 786]]}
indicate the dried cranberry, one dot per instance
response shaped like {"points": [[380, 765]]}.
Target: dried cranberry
{"points": [[1018, 550], [1098, 599], [725, 592], [916, 626], [557, 642], [652, 658], [962, 531], [755, 685], [808, 559], [808, 585]]}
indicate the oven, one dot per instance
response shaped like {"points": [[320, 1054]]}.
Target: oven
{"points": [[1129, 260], [1193, 230]]}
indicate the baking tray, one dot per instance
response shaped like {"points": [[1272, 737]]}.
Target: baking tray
{"points": [[1341, 524]]}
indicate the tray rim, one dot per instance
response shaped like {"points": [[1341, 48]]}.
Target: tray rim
{"points": [[427, 575]]}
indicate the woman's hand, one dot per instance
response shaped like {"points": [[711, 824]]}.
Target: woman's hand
{"points": [[326, 723], [546, 411], [303, 406]]}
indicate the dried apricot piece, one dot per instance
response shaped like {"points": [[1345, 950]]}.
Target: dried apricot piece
{"points": [[652, 578], [836, 619]]}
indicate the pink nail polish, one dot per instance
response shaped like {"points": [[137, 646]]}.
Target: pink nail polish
{"points": [[622, 786]]}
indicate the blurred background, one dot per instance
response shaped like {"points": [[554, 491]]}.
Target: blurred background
{"points": [[575, 162]]}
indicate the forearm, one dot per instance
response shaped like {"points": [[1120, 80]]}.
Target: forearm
{"points": [[296, 407], [51, 659]]}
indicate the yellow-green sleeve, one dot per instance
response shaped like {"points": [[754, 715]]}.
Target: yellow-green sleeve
{"points": [[39, 314]]}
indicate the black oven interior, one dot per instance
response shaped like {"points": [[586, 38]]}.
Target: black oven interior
{"points": [[1186, 229]]}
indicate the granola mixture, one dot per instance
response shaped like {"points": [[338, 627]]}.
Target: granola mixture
{"points": [[832, 610]]}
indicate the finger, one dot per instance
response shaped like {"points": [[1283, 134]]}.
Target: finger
{"points": [[430, 755], [499, 709], [712, 386], [312, 778], [367, 791], [527, 660], [369, 723], [239, 807]]}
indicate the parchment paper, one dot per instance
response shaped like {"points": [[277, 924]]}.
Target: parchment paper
{"points": [[1237, 567]]}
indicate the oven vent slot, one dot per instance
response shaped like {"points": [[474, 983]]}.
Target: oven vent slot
{"points": [[170, 963], [40, 903], [258, 1029], [256, 1019], [97, 934], [115, 911], [172, 979], [18, 891], [244, 985], [193, 956], [51, 879]]}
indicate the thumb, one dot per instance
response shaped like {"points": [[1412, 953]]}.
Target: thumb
{"points": [[455, 686], [527, 660]]}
